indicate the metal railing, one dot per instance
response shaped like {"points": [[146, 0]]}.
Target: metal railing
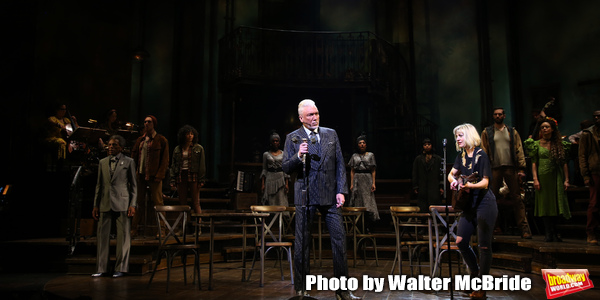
{"points": [[306, 56]]}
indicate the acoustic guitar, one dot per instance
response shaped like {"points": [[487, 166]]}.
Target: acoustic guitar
{"points": [[461, 199]]}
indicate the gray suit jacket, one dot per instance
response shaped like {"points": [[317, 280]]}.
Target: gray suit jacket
{"points": [[119, 192], [328, 178]]}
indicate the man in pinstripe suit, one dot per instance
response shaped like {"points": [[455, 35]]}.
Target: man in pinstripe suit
{"points": [[314, 153]]}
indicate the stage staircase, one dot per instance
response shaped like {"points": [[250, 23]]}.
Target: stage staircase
{"points": [[531, 256]]}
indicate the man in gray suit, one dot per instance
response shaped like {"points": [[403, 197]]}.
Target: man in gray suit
{"points": [[314, 153], [115, 199]]}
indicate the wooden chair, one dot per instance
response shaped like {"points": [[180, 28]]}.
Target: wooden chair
{"points": [[442, 231], [406, 218], [175, 218], [274, 234], [354, 221]]}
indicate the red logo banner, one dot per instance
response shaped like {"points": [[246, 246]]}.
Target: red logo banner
{"points": [[561, 282]]}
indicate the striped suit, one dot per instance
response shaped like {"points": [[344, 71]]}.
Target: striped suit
{"points": [[326, 177]]}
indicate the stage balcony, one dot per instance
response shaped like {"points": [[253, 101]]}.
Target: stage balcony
{"points": [[308, 58]]}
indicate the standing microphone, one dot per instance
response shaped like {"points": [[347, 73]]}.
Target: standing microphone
{"points": [[304, 140], [444, 142]]}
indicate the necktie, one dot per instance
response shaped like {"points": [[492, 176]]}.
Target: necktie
{"points": [[314, 149], [113, 165]]}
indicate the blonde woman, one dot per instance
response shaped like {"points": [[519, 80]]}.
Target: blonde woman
{"points": [[482, 213]]}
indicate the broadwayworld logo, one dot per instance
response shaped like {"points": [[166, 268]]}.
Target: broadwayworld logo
{"points": [[561, 282]]}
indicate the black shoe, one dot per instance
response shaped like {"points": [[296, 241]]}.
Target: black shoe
{"points": [[118, 274], [548, 237], [557, 238], [346, 295]]}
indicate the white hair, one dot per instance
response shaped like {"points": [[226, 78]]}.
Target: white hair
{"points": [[304, 103]]}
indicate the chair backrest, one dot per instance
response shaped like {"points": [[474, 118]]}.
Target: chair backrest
{"points": [[404, 209], [354, 214], [175, 219], [277, 213], [354, 208], [438, 216], [267, 208], [400, 213], [289, 226]]}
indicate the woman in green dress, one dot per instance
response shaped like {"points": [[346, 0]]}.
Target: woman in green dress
{"points": [[550, 176]]}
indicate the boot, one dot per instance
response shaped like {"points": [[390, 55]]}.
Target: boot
{"points": [[555, 235], [478, 295], [548, 229], [591, 239]]}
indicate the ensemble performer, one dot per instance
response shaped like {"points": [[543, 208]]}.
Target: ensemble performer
{"points": [[482, 213], [427, 178], [151, 155], [188, 168], [362, 180], [550, 176], [115, 200], [58, 131], [503, 145], [314, 153], [275, 183], [589, 164], [110, 124]]}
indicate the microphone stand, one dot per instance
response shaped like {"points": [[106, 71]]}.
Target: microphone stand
{"points": [[444, 168], [304, 206]]}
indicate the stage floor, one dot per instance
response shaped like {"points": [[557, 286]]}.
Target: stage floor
{"points": [[227, 284]]}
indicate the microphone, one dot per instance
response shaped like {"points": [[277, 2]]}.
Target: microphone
{"points": [[444, 142], [304, 140]]}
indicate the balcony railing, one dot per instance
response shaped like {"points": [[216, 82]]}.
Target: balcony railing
{"points": [[306, 57]]}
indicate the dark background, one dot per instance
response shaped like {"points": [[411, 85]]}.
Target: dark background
{"points": [[459, 60]]}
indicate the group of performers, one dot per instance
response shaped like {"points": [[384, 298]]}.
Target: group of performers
{"points": [[313, 154], [123, 183], [67, 140]]}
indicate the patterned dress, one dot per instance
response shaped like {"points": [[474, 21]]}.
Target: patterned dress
{"points": [[274, 180], [551, 199], [362, 196]]}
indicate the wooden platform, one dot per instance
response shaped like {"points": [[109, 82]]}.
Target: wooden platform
{"points": [[135, 287], [68, 276], [512, 252]]}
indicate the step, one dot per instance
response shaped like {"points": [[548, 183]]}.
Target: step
{"points": [[579, 213], [536, 267], [86, 264], [382, 248], [594, 270], [235, 249], [202, 200], [581, 200], [213, 190], [580, 228], [513, 261], [384, 235]]}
